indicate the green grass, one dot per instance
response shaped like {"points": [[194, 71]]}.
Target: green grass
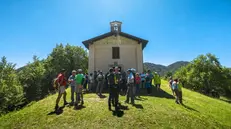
{"points": [[159, 111]]}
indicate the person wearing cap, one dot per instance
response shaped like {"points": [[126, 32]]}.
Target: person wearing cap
{"points": [[79, 78], [100, 79], [72, 81], [113, 90], [61, 80], [130, 83]]}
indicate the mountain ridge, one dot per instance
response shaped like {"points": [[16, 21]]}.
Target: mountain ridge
{"points": [[162, 69]]}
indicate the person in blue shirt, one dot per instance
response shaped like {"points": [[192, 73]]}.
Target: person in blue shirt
{"points": [[175, 89], [148, 84]]}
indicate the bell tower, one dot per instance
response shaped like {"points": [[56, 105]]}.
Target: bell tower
{"points": [[116, 26]]}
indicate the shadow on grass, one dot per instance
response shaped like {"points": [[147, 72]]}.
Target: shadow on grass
{"points": [[57, 112], [80, 107], [138, 106], [187, 107], [157, 93], [140, 99], [120, 112], [227, 101], [102, 96]]}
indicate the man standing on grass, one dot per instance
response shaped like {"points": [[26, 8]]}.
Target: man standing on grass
{"points": [[131, 86], [175, 89], [73, 86], [157, 81], [113, 90], [79, 78], [100, 80], [62, 82]]}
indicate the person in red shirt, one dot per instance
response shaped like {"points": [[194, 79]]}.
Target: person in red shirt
{"points": [[138, 81], [62, 82]]}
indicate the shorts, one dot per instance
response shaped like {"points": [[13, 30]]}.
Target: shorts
{"points": [[61, 89], [77, 89]]}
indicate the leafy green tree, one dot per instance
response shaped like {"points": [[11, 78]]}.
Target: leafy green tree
{"points": [[11, 91], [205, 74], [31, 77]]}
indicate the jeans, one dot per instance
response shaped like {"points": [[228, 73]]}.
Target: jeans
{"points": [[130, 93], [72, 93], [137, 89], [177, 95]]}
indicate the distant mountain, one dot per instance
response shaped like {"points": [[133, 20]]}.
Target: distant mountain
{"points": [[162, 70]]}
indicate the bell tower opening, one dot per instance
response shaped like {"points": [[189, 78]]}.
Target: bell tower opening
{"points": [[115, 26]]}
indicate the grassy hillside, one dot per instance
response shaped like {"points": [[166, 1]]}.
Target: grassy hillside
{"points": [[156, 111], [164, 69]]}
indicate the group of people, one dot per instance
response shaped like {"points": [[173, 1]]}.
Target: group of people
{"points": [[126, 83]]}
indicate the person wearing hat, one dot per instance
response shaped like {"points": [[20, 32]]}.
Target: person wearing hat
{"points": [[113, 90], [61, 80], [79, 78], [72, 81], [100, 79], [131, 86]]}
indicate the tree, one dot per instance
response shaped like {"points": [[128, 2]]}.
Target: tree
{"points": [[205, 74], [11, 91], [63, 57], [31, 77]]}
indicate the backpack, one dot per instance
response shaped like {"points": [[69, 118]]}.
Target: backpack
{"points": [[55, 83]]}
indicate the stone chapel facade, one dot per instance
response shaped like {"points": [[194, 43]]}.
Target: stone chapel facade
{"points": [[115, 48]]}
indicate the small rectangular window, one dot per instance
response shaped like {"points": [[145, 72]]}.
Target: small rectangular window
{"points": [[115, 52]]}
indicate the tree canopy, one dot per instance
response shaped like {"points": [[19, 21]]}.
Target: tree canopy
{"points": [[205, 74]]}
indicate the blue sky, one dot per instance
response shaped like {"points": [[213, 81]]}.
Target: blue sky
{"points": [[176, 29]]}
